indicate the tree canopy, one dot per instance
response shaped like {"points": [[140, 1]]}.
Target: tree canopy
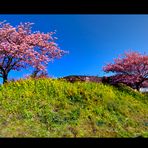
{"points": [[130, 68], [20, 48]]}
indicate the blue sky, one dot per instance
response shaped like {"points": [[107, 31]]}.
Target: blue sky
{"points": [[92, 40]]}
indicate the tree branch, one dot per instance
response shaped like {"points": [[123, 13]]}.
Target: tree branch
{"points": [[9, 62], [11, 66]]}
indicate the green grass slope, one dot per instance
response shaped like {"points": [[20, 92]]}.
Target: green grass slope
{"points": [[56, 108]]}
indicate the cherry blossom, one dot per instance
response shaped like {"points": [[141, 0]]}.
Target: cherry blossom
{"points": [[130, 68], [20, 48]]}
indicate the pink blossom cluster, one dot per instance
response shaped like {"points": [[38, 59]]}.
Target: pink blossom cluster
{"points": [[19, 47], [130, 68]]}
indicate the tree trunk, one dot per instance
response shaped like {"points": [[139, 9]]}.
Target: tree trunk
{"points": [[138, 86], [5, 78]]}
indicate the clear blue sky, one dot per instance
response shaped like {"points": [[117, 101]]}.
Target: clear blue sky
{"points": [[92, 40]]}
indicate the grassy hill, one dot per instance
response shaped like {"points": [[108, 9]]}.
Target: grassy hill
{"points": [[56, 108]]}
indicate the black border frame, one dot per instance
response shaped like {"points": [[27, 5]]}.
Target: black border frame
{"points": [[74, 7]]}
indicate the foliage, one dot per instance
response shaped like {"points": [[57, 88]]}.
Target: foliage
{"points": [[131, 69], [20, 48], [57, 108]]}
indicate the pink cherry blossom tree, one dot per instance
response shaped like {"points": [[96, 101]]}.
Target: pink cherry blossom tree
{"points": [[22, 48], [130, 68]]}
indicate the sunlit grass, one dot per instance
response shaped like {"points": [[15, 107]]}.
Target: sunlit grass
{"points": [[56, 108]]}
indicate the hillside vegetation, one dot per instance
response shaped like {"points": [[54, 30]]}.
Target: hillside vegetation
{"points": [[56, 108]]}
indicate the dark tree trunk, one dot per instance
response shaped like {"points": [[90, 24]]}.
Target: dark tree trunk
{"points": [[35, 73], [5, 78], [138, 85]]}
